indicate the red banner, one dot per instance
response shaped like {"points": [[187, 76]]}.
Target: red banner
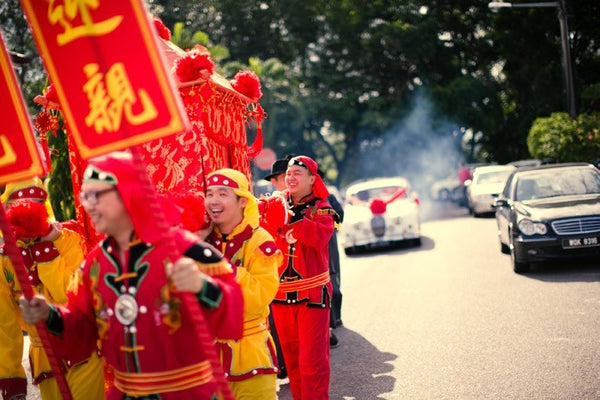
{"points": [[19, 153], [103, 60]]}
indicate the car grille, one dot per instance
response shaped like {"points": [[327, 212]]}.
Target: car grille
{"points": [[576, 225], [378, 225]]}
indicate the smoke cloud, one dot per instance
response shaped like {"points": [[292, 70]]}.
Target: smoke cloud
{"points": [[421, 147]]}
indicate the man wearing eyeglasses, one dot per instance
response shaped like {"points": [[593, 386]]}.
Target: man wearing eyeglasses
{"points": [[129, 292]]}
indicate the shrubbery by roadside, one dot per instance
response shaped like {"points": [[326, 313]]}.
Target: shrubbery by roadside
{"points": [[563, 139]]}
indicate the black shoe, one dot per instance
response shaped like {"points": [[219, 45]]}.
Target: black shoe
{"points": [[282, 374], [333, 340]]}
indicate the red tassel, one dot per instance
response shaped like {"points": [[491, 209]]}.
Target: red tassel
{"points": [[256, 147], [44, 142], [258, 114]]}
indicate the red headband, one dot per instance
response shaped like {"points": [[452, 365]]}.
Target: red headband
{"points": [[31, 192], [222, 180]]}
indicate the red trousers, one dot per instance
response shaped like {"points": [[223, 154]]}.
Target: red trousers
{"points": [[304, 338]]}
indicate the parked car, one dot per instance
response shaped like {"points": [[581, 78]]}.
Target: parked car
{"points": [[526, 163], [445, 189], [487, 183], [550, 212], [380, 212], [450, 188]]}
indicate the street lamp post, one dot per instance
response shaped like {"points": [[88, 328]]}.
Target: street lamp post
{"points": [[564, 36]]}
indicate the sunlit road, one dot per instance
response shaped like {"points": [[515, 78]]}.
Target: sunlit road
{"points": [[450, 320]]}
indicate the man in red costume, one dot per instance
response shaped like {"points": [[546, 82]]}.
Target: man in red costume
{"points": [[301, 306], [128, 295]]}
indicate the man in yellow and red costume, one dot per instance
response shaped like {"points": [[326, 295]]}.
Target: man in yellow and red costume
{"points": [[51, 253], [129, 292], [301, 306], [250, 363]]}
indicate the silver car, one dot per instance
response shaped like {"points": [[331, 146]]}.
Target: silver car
{"points": [[486, 185]]}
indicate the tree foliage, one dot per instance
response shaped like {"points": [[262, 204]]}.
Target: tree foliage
{"points": [[362, 65], [17, 37], [562, 139], [342, 80]]}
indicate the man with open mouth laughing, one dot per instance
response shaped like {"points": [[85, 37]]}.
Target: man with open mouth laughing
{"points": [[301, 306], [250, 362]]}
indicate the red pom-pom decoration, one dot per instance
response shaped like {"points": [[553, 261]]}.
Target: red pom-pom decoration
{"points": [[194, 217], [248, 84], [161, 28], [274, 213], [196, 64], [28, 218], [378, 207]]}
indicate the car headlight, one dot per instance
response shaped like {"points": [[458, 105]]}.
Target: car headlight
{"points": [[528, 227]]}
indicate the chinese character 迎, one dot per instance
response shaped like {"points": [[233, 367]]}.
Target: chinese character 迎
{"points": [[67, 11]]}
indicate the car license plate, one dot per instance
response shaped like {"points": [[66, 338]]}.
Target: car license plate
{"points": [[581, 242]]}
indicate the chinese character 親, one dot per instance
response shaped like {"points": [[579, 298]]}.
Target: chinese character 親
{"points": [[112, 98]]}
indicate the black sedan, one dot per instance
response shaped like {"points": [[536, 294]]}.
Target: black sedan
{"points": [[548, 213]]}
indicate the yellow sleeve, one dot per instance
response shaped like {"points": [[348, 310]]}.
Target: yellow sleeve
{"points": [[258, 276], [56, 274], [11, 337]]}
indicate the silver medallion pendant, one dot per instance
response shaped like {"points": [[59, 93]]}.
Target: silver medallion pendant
{"points": [[126, 309]]}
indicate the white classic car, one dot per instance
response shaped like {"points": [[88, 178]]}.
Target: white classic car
{"points": [[380, 212]]}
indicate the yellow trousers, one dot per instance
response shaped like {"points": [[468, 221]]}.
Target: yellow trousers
{"points": [[86, 382], [263, 387]]}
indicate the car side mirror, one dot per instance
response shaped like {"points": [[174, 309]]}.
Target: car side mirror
{"points": [[468, 182], [500, 203]]}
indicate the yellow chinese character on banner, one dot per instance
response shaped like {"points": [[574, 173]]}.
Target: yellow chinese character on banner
{"points": [[111, 98], [65, 13], [9, 156]]}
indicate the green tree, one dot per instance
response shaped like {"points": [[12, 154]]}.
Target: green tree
{"points": [[32, 77], [563, 139], [17, 37]]}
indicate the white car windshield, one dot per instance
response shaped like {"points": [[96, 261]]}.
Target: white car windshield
{"points": [[383, 193], [492, 177]]}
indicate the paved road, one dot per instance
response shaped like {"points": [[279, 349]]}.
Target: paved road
{"points": [[450, 320]]}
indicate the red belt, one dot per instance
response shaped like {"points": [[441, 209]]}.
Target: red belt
{"points": [[305, 284], [144, 384]]}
